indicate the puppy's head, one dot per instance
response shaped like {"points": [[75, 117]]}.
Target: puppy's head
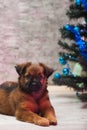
{"points": [[33, 77]]}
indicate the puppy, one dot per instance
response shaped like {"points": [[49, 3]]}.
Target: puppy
{"points": [[28, 99]]}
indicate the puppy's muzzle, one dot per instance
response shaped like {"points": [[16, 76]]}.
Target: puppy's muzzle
{"points": [[35, 85]]}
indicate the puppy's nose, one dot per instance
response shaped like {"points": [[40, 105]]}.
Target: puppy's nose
{"points": [[35, 81]]}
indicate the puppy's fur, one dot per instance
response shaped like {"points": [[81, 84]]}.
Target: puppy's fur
{"points": [[28, 99]]}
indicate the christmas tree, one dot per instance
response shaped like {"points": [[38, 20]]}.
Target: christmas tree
{"points": [[76, 49]]}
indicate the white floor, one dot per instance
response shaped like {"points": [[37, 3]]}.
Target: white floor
{"points": [[70, 111]]}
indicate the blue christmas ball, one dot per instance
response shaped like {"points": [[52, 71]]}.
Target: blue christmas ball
{"points": [[78, 2], [76, 28], [67, 26], [82, 46], [57, 75], [62, 61], [65, 71]]}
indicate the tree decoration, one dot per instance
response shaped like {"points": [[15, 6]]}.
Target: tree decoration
{"points": [[62, 61], [57, 75], [79, 41], [82, 3], [66, 70], [77, 9], [75, 52]]}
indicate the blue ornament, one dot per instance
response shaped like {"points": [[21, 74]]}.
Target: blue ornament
{"points": [[81, 2], [82, 47], [84, 4], [78, 2], [67, 27], [78, 39], [76, 28], [62, 61], [57, 76], [65, 71]]}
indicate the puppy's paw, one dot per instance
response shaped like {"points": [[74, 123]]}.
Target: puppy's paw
{"points": [[52, 120], [42, 122]]}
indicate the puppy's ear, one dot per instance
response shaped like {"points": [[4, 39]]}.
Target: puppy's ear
{"points": [[47, 71], [20, 68]]}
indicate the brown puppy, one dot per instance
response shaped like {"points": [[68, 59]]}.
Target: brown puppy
{"points": [[28, 99]]}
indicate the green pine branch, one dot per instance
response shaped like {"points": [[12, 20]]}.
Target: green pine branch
{"points": [[66, 34], [76, 12], [73, 52], [73, 47], [77, 83]]}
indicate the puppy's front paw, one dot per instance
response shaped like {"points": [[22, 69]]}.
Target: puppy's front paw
{"points": [[52, 120], [42, 122]]}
